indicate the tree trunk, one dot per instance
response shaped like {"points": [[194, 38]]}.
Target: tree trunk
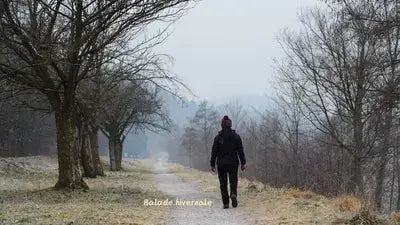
{"points": [[392, 185], [119, 154], [397, 164], [356, 181], [69, 173], [397, 171], [111, 150], [89, 169], [190, 157], [94, 144], [115, 150], [380, 175]]}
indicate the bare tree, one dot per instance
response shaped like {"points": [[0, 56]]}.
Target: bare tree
{"points": [[236, 112], [24, 131], [384, 18], [198, 136], [292, 122], [188, 143], [329, 65], [55, 42], [131, 107]]}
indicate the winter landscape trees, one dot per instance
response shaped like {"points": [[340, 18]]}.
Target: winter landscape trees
{"points": [[70, 70], [53, 48], [334, 125]]}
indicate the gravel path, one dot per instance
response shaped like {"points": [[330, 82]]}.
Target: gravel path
{"points": [[174, 187]]}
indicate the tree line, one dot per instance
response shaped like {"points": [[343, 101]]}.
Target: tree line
{"points": [[91, 66], [334, 127]]}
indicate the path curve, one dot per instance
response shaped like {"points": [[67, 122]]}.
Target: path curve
{"points": [[173, 186]]}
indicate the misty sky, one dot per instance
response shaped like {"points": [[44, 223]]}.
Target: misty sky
{"points": [[225, 48]]}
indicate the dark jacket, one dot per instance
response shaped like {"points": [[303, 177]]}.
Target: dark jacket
{"points": [[227, 148]]}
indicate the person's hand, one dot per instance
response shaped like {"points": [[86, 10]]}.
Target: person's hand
{"points": [[243, 167], [213, 169]]}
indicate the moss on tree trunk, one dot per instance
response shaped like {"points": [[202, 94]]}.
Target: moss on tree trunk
{"points": [[69, 173]]}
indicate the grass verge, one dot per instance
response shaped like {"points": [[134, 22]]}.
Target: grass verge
{"points": [[268, 205], [27, 195]]}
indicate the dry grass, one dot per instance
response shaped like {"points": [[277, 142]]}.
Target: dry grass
{"points": [[297, 193], [205, 180], [394, 219], [268, 205], [348, 203], [27, 195], [209, 181], [365, 217]]}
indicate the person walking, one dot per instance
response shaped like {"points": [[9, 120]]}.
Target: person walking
{"points": [[227, 150]]}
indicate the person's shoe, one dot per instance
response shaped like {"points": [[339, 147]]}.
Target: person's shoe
{"points": [[234, 201], [226, 206]]}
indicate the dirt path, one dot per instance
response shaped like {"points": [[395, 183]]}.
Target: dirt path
{"points": [[176, 188]]}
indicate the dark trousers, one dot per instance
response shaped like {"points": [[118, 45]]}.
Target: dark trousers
{"points": [[223, 173]]}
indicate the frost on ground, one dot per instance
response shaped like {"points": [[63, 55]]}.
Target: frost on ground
{"points": [[27, 195]]}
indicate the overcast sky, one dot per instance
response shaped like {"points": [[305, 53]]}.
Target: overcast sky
{"points": [[225, 48]]}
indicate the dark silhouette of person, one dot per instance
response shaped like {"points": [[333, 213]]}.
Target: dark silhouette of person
{"points": [[227, 149]]}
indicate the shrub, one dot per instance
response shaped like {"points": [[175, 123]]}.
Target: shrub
{"points": [[365, 217], [348, 203]]}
